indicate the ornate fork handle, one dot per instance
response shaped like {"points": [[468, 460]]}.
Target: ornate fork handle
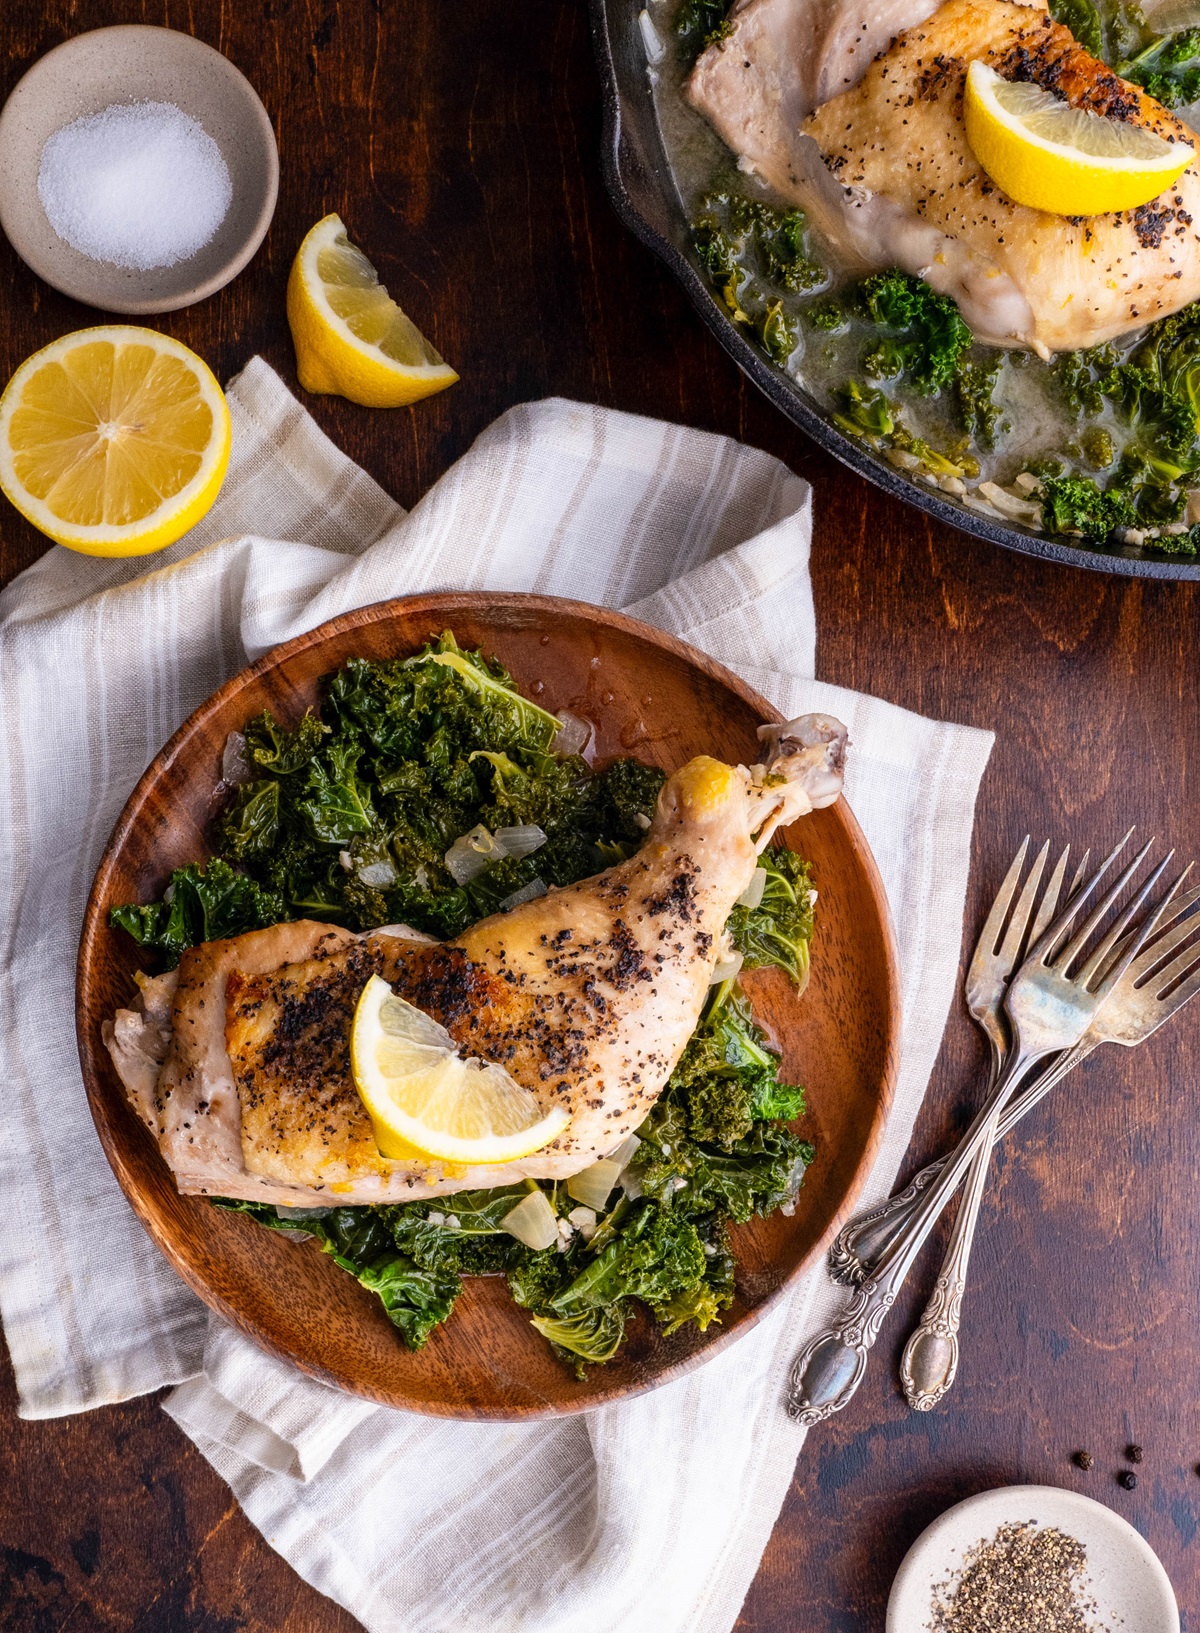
{"points": [[861, 1244], [829, 1369], [930, 1360]]}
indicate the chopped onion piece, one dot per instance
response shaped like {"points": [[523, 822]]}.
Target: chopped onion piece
{"points": [[626, 1151], [377, 874], [533, 1221], [642, 821], [584, 1220], [631, 1184], [654, 48], [521, 840], [725, 968], [235, 763], [753, 894], [346, 860], [574, 735], [593, 1186], [471, 853], [301, 1213], [527, 893]]}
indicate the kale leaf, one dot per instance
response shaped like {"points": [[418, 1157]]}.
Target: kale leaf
{"points": [[752, 253], [779, 930], [1083, 19], [928, 338], [1076, 504], [416, 1298], [200, 904], [1168, 68], [698, 23]]}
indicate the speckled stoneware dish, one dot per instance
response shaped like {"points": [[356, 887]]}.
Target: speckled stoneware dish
{"points": [[137, 63], [1124, 1580]]}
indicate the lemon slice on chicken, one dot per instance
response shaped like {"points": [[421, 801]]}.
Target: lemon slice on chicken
{"points": [[425, 1099], [1050, 156], [113, 441], [351, 338]]}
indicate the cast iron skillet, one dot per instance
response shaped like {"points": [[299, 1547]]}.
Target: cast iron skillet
{"points": [[640, 184]]}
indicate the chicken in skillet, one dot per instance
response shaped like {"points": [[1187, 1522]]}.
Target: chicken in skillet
{"points": [[855, 112]]}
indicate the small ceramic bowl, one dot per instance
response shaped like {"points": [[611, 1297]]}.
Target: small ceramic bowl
{"points": [[1123, 1576], [137, 63]]}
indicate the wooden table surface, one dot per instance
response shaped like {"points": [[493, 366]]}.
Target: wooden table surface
{"points": [[460, 145]]}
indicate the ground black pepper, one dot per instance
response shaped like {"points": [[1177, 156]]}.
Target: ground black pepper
{"points": [[1127, 1478], [1085, 1460], [1024, 1580]]}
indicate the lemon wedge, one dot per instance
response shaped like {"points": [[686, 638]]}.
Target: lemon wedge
{"points": [[351, 338], [113, 441], [425, 1100], [1053, 157]]}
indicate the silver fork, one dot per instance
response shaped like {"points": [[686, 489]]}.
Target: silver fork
{"points": [[929, 1363], [860, 1243], [1049, 1009], [1137, 1006], [930, 1358]]}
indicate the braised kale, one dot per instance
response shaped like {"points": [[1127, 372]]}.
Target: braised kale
{"points": [[1168, 68], [699, 23], [923, 335], [348, 815], [753, 253], [417, 1297], [1155, 392]]}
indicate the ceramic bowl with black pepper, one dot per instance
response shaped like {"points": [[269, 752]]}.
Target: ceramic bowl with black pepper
{"points": [[138, 169], [1031, 1559]]}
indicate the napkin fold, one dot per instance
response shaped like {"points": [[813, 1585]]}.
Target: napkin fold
{"points": [[649, 1514]]}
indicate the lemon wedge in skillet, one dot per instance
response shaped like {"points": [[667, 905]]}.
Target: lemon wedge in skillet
{"points": [[426, 1100], [351, 338], [1050, 156]]}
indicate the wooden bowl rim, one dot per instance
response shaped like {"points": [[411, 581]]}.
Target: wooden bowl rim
{"points": [[443, 607]]}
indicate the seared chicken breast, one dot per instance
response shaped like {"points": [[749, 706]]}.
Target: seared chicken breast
{"points": [[586, 995], [886, 171]]}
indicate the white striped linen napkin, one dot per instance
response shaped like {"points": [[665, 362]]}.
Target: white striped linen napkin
{"points": [[650, 1514]]}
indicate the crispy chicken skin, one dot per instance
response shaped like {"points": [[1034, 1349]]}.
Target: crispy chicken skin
{"points": [[885, 169], [900, 132], [586, 995]]}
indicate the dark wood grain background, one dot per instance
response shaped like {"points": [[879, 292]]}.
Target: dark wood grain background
{"points": [[460, 145]]}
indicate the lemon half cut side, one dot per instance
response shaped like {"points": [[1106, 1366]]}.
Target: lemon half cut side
{"points": [[426, 1100], [351, 338], [1050, 156], [113, 441]]}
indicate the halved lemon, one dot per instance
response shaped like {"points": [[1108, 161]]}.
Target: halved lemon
{"points": [[426, 1100], [113, 441], [1053, 157], [351, 338]]}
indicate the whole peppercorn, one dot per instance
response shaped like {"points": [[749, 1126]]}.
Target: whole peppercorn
{"points": [[1084, 1460], [1127, 1478], [1134, 1453]]}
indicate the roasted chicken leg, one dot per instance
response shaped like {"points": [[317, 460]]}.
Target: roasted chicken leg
{"points": [[587, 995]]}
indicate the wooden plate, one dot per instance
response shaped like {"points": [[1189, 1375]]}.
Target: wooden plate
{"points": [[650, 696]]}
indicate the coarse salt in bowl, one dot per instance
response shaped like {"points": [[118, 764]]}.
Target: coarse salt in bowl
{"points": [[138, 169], [138, 184]]}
